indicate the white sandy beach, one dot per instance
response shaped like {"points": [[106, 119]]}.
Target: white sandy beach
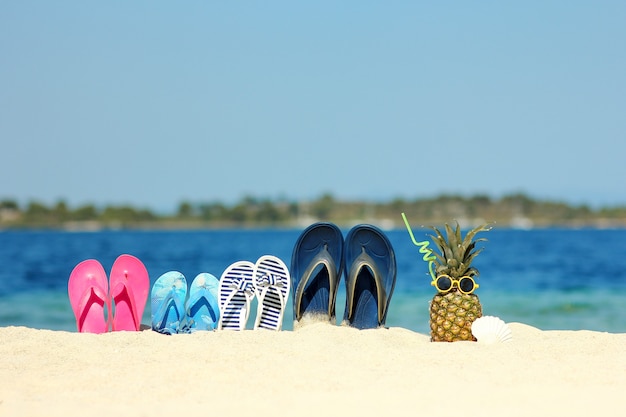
{"points": [[317, 370]]}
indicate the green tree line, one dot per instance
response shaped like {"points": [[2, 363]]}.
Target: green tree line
{"points": [[510, 210]]}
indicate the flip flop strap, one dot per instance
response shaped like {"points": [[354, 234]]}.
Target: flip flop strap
{"points": [[118, 289], [86, 296], [324, 258], [269, 281], [197, 296], [161, 312], [239, 285], [362, 261]]}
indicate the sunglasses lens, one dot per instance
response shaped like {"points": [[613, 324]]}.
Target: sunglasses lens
{"points": [[466, 285], [444, 283]]}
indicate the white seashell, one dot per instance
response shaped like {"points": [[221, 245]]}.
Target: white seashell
{"points": [[490, 329]]}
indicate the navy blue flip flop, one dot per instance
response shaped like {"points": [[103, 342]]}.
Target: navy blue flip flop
{"points": [[316, 268], [370, 277]]}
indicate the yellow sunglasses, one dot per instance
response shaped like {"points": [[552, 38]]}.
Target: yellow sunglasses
{"points": [[465, 284]]}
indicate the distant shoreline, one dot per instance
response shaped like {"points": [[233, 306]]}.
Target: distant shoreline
{"points": [[185, 227], [516, 211]]}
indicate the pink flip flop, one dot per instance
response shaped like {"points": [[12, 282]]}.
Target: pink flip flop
{"points": [[130, 285], [88, 293]]}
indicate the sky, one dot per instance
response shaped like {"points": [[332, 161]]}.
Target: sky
{"points": [[152, 103]]}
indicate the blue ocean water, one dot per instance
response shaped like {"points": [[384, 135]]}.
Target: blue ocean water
{"points": [[553, 279]]}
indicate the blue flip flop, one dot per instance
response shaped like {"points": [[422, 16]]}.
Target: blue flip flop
{"points": [[316, 267], [202, 307], [167, 299], [370, 277]]}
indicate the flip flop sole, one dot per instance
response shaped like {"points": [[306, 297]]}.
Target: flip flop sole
{"points": [[203, 311], [88, 294], [235, 293], [316, 267], [370, 277], [130, 285], [167, 302], [272, 283]]}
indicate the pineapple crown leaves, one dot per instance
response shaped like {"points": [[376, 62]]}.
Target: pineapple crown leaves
{"points": [[456, 253]]}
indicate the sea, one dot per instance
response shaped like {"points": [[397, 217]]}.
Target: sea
{"points": [[552, 279]]}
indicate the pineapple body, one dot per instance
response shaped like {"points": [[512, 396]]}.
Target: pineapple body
{"points": [[453, 311], [452, 315]]}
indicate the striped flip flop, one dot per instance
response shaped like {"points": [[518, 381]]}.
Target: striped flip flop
{"points": [[235, 293], [272, 283]]}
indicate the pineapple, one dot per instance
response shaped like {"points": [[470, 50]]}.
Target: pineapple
{"points": [[453, 312]]}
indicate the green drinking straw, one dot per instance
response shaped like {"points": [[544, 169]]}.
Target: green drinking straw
{"points": [[428, 253]]}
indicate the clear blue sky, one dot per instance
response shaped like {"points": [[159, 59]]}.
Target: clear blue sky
{"points": [[151, 103]]}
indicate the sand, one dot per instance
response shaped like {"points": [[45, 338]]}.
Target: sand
{"points": [[317, 370]]}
